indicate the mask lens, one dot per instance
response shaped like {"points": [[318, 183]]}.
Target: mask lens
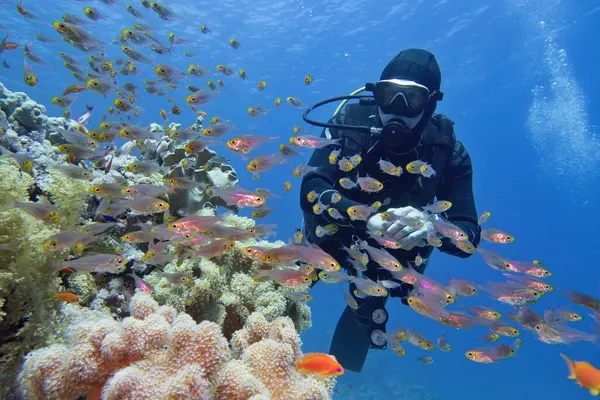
{"points": [[394, 98], [416, 97]]}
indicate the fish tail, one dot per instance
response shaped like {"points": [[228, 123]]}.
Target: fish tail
{"points": [[570, 365]]}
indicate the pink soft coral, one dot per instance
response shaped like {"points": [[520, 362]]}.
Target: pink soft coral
{"points": [[158, 354]]}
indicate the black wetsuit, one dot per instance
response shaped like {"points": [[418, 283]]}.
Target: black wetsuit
{"points": [[453, 182]]}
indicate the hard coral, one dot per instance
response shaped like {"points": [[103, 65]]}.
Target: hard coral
{"points": [[157, 353]]}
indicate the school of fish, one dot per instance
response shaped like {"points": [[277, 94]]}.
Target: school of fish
{"points": [[141, 53]]}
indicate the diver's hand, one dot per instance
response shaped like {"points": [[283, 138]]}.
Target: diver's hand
{"points": [[377, 225], [410, 227]]}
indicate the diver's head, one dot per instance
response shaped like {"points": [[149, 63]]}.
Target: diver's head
{"points": [[406, 95]]}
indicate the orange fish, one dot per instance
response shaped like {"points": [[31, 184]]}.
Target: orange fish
{"points": [[320, 364], [163, 114], [74, 89], [66, 297], [586, 375]]}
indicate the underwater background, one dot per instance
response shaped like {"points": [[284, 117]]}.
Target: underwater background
{"points": [[520, 80]]}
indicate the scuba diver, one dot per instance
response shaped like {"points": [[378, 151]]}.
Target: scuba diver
{"points": [[395, 124]]}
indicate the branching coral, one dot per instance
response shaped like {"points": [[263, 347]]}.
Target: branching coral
{"points": [[159, 354]]}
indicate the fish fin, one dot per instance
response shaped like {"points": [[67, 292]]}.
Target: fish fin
{"points": [[321, 377], [570, 365], [595, 391]]}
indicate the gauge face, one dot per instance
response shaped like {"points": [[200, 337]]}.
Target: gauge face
{"points": [[378, 338], [379, 316]]}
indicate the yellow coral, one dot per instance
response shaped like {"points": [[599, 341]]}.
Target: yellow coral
{"points": [[13, 185], [68, 195]]}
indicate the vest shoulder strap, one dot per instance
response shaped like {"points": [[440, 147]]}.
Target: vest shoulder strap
{"points": [[355, 114], [439, 136], [440, 132]]}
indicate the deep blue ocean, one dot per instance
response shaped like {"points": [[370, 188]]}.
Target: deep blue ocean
{"points": [[521, 82]]}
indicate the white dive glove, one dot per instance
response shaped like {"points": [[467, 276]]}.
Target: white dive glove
{"points": [[376, 225], [410, 227]]}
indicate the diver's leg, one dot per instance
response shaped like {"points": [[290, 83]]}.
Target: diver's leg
{"points": [[358, 330]]}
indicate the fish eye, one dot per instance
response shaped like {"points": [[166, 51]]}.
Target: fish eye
{"points": [[470, 354], [538, 327], [120, 260], [97, 190], [547, 287]]}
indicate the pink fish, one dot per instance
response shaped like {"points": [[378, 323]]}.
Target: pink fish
{"points": [[244, 144], [461, 288], [496, 236], [429, 287], [382, 257], [495, 261], [427, 307], [281, 255], [141, 284], [215, 248], [531, 268], [109, 263], [262, 231], [265, 163], [255, 252], [238, 197], [448, 229], [560, 333], [288, 277], [316, 257], [459, 320], [228, 232], [194, 223], [313, 142]]}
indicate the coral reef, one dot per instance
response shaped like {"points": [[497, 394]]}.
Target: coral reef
{"points": [[225, 290], [27, 271], [174, 344], [157, 353]]}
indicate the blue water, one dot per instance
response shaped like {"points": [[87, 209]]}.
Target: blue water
{"points": [[520, 79]]}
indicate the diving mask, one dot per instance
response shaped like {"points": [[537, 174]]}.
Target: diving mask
{"points": [[402, 97]]}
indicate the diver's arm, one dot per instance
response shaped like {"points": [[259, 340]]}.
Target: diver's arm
{"points": [[457, 187], [322, 182]]}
